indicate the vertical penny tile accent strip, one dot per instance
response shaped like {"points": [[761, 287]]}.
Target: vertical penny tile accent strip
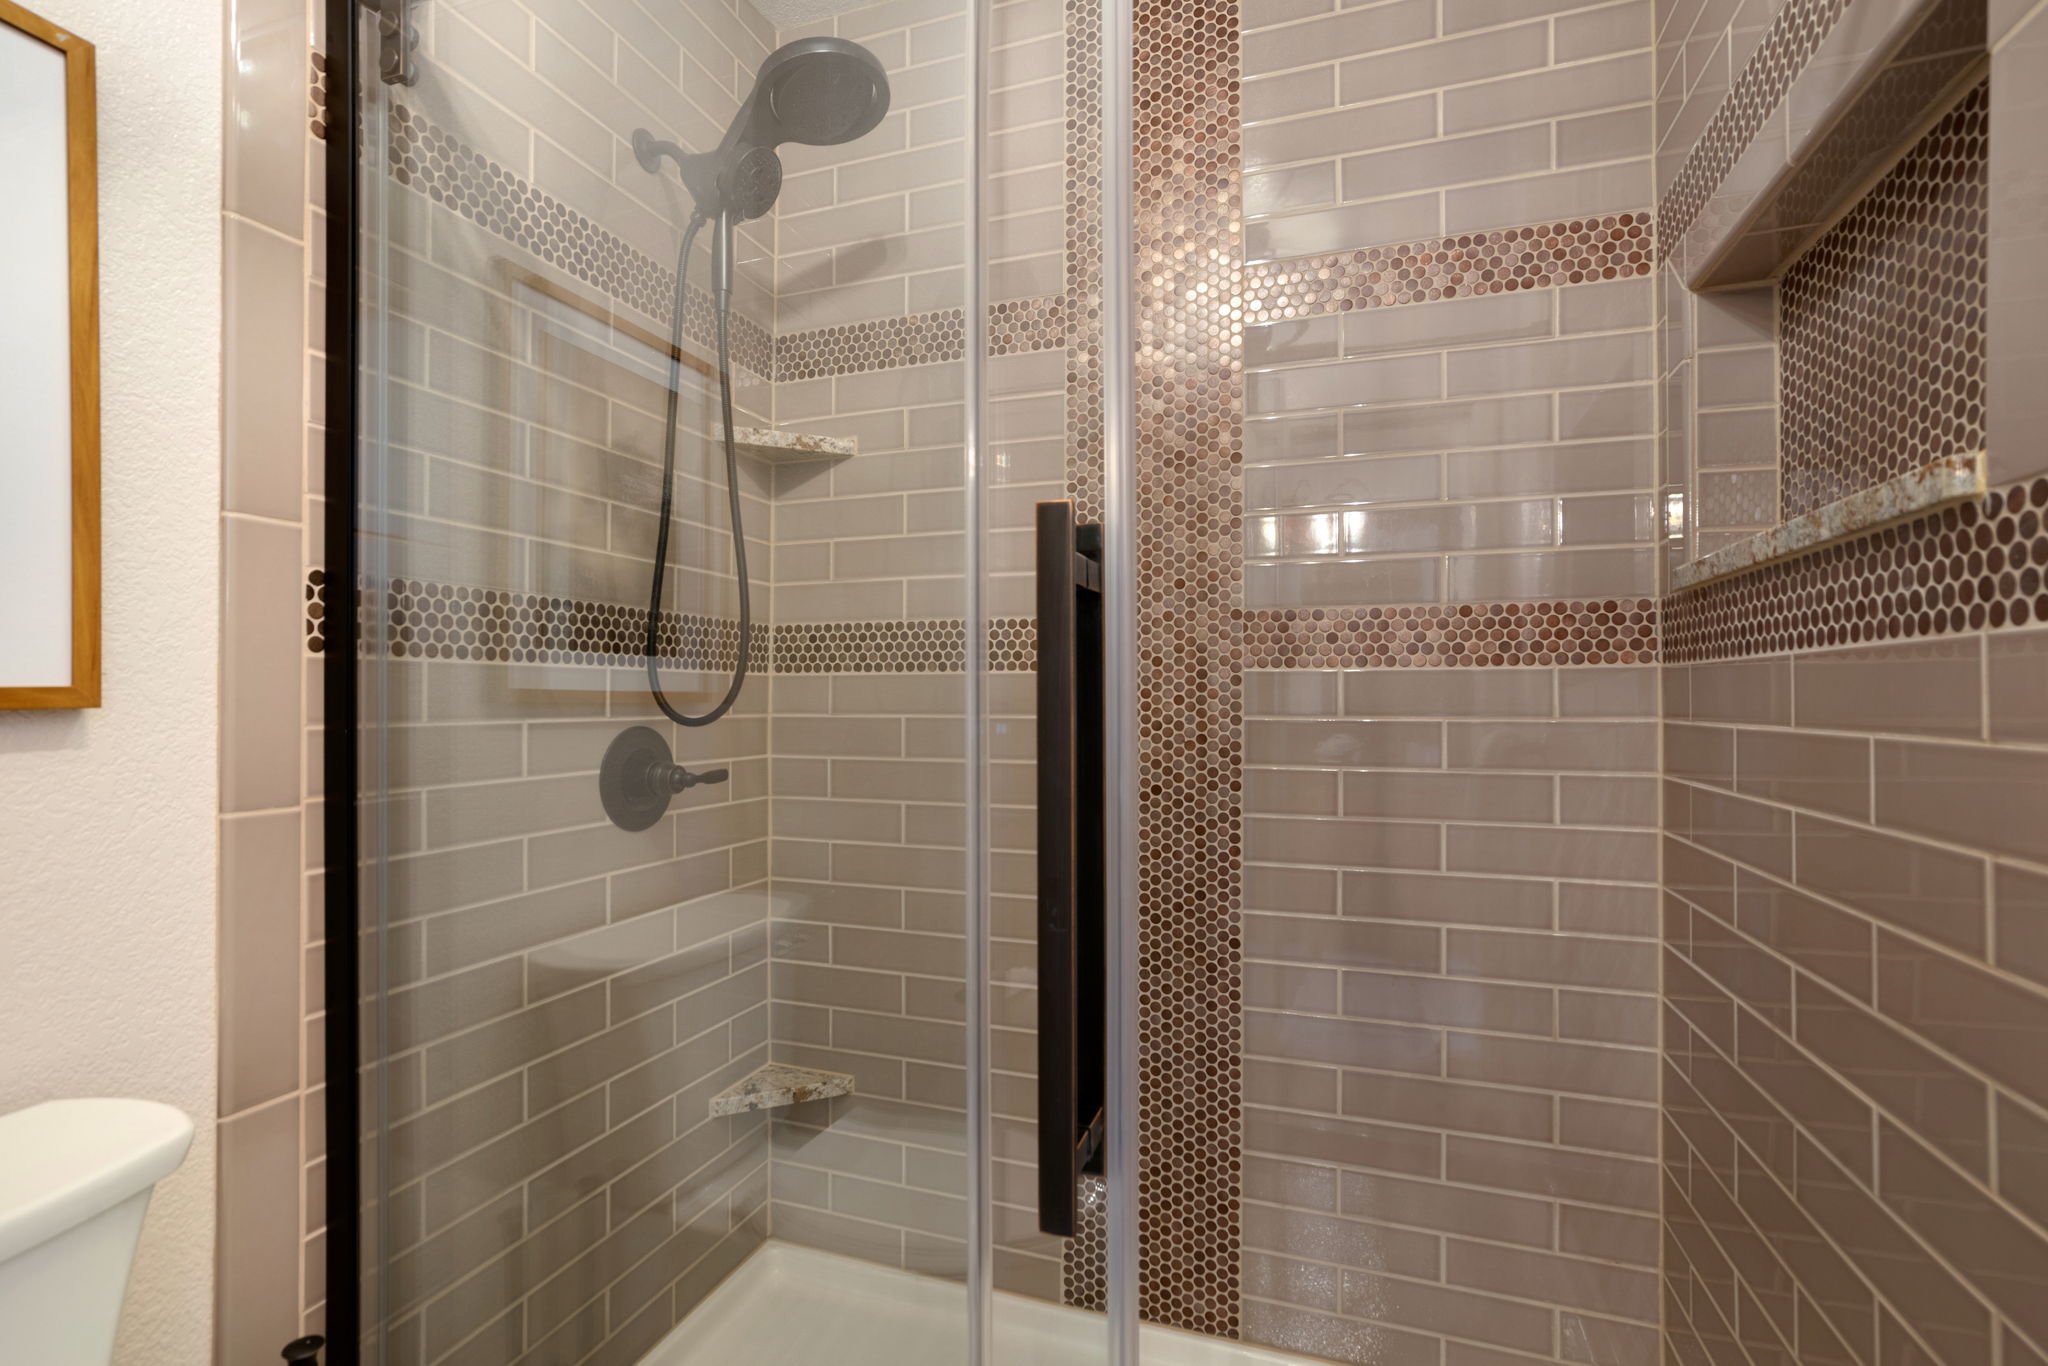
{"points": [[1881, 323], [1084, 1263], [1795, 34], [1084, 263], [1190, 424], [1976, 566], [1580, 251]]}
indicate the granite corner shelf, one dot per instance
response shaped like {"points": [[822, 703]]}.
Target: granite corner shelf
{"points": [[1886, 72], [775, 1085], [1953, 479], [788, 448]]}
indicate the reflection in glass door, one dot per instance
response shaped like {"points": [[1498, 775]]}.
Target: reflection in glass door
{"points": [[710, 362]]}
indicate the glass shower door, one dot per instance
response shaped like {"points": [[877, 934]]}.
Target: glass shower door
{"points": [[697, 1012]]}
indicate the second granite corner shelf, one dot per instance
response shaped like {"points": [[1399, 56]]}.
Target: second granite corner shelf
{"points": [[782, 448], [775, 1085], [1935, 485]]}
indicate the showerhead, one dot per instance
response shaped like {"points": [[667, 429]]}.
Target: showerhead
{"points": [[818, 91]]}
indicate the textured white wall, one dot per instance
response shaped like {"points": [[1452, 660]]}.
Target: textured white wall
{"points": [[107, 817]]}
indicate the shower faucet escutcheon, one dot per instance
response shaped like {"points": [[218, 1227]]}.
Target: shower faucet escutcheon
{"points": [[640, 776]]}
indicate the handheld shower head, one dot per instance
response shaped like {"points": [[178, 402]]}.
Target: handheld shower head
{"points": [[817, 91]]}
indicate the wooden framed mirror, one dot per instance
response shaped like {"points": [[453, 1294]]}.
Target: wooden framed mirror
{"points": [[49, 367]]}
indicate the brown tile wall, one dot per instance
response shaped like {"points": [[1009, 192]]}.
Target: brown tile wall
{"points": [[1450, 1013], [1853, 769], [1854, 869], [1449, 977]]}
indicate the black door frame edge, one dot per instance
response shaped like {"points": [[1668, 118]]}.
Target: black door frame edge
{"points": [[341, 630]]}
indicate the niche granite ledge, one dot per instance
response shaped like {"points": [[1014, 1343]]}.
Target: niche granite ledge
{"points": [[1937, 484]]}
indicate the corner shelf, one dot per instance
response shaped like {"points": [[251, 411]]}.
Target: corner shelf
{"points": [[1935, 485], [779, 448], [775, 1085]]}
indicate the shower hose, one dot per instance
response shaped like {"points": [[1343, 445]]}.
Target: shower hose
{"points": [[668, 488]]}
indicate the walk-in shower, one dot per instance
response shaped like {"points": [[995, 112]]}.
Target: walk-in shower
{"points": [[1563, 879]]}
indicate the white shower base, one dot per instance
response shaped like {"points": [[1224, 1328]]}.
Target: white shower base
{"points": [[795, 1306]]}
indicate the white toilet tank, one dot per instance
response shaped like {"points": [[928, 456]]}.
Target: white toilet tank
{"points": [[75, 1179]]}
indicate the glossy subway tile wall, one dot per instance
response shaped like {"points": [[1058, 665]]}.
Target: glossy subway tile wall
{"points": [[1536, 965]]}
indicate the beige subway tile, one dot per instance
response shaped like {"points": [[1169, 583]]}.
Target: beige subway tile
{"points": [[1943, 1104], [260, 1008], [1448, 692], [1551, 1172], [1279, 986], [2018, 685], [263, 401], [1531, 851], [1450, 796], [1445, 1208], [1338, 131], [1737, 436], [1282, 190], [1516, 420], [1302, 1330], [1398, 379], [1447, 1105], [1552, 746], [1980, 796], [1353, 744], [261, 606], [1445, 899], [1620, 187], [1345, 227], [1577, 362], [1341, 843], [1342, 943], [1307, 891], [1915, 886], [1602, 908], [1585, 468], [257, 1253], [1566, 1281], [1427, 166], [1291, 692], [1751, 691], [1550, 574], [1582, 1069], [1560, 960], [1700, 754], [1438, 1001], [1386, 26], [1346, 1242], [1593, 414], [1986, 1020], [1293, 1088], [1276, 792], [1306, 1284], [1603, 1018], [1825, 772], [1342, 583], [1832, 944]]}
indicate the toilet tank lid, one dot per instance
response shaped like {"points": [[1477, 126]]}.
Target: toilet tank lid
{"points": [[64, 1161]]}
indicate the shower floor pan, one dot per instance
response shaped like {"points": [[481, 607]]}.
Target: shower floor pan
{"points": [[795, 1306]]}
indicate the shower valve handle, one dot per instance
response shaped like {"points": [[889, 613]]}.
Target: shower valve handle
{"points": [[680, 779]]}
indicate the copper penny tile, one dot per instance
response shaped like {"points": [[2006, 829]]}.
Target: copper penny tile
{"points": [[1795, 34], [1501, 634], [1576, 251], [427, 620], [316, 95], [1882, 323], [427, 158], [887, 647], [1981, 565], [1189, 275], [1015, 326]]}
